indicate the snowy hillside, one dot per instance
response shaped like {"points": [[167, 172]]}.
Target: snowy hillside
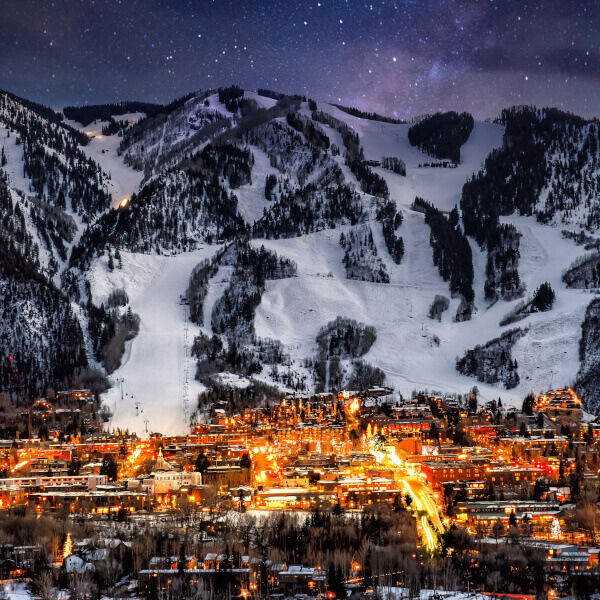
{"points": [[104, 150], [440, 186], [298, 214], [54, 167], [49, 189], [413, 350], [406, 349]]}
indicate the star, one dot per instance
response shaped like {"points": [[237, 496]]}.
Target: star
{"points": [[413, 52]]}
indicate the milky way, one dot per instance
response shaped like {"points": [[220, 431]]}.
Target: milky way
{"points": [[404, 57]]}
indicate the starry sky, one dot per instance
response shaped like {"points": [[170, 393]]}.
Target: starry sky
{"points": [[397, 57]]}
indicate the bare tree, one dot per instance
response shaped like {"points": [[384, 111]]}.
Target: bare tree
{"points": [[494, 581], [45, 586]]}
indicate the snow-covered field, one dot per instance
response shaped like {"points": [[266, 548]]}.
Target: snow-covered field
{"points": [[548, 355], [293, 310], [262, 101], [157, 372], [124, 180], [14, 158], [251, 198], [16, 590], [440, 186]]}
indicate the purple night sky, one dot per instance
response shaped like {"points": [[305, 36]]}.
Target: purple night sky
{"points": [[395, 57]]}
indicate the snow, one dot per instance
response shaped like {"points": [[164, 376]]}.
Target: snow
{"points": [[19, 186], [44, 254], [414, 351], [156, 361], [102, 149], [293, 310], [262, 101], [440, 186], [139, 272], [231, 380], [14, 157], [548, 355], [16, 590], [124, 180], [214, 104], [396, 593], [216, 288], [251, 198]]}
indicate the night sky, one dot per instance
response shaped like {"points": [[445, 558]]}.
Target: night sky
{"points": [[395, 57]]}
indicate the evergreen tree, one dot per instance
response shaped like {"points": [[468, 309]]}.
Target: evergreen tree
{"points": [[528, 404], [119, 258], [109, 468], [182, 560], [442, 134], [543, 298]]}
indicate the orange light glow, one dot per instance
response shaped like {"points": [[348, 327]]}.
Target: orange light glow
{"points": [[354, 406], [68, 547]]}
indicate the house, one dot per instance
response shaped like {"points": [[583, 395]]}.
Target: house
{"points": [[297, 579], [151, 581], [74, 564], [7, 567]]}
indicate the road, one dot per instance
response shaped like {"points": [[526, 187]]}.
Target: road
{"points": [[421, 495], [426, 500], [134, 462], [423, 502]]}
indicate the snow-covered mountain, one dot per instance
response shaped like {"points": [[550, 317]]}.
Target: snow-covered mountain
{"points": [[267, 237]]}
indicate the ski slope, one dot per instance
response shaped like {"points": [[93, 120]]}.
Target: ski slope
{"points": [[414, 351], [251, 198], [157, 371], [14, 165], [103, 149], [440, 186], [124, 181]]}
